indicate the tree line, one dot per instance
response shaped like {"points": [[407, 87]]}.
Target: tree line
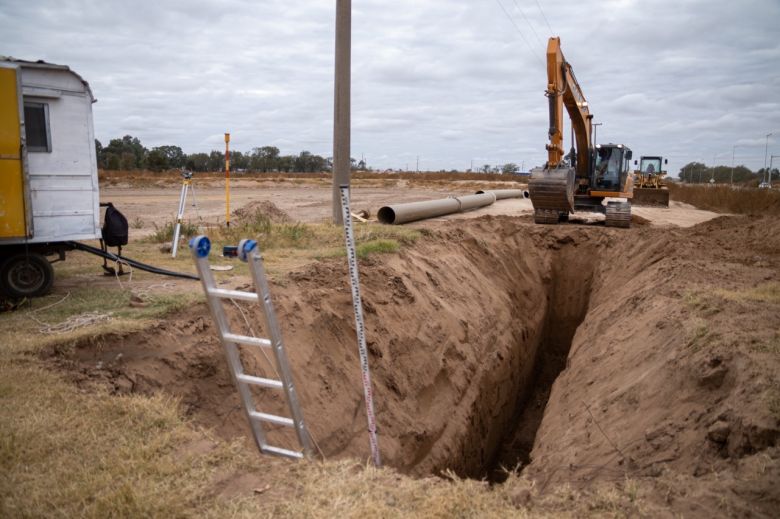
{"points": [[128, 153], [700, 173]]}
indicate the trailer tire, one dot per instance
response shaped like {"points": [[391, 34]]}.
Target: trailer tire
{"points": [[26, 275]]}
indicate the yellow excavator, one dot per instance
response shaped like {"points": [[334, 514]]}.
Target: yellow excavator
{"points": [[583, 179], [650, 188]]}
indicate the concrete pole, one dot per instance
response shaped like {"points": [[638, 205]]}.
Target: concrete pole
{"points": [[341, 105], [227, 179], [766, 149]]}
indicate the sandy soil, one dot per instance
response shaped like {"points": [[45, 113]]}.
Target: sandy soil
{"points": [[311, 202], [582, 354]]}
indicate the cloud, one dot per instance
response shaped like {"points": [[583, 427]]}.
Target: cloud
{"points": [[447, 80]]}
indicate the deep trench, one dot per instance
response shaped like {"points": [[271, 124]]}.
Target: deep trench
{"points": [[568, 297]]}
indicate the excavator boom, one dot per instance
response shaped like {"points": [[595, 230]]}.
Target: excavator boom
{"points": [[587, 175]]}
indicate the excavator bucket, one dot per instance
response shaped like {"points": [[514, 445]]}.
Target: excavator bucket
{"points": [[552, 193], [653, 197]]}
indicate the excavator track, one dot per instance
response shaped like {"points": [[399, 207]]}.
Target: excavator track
{"points": [[618, 214], [552, 193], [547, 216]]}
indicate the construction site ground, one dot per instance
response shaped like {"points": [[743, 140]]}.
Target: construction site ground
{"points": [[518, 369]]}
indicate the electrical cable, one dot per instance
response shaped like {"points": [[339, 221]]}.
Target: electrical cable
{"points": [[528, 22], [545, 17], [133, 263], [509, 17]]}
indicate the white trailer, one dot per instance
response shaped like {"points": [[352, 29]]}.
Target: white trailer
{"points": [[48, 171]]}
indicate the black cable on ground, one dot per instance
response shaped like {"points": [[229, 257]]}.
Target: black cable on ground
{"points": [[133, 263]]}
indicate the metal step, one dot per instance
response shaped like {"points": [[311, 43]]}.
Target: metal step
{"points": [[272, 418], [232, 294], [249, 341], [260, 381], [268, 449]]}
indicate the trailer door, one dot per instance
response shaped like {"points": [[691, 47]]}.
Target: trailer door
{"points": [[13, 215]]}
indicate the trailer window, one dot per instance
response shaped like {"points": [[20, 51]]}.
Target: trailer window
{"points": [[36, 125]]}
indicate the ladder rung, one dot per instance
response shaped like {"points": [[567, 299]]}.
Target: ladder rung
{"points": [[271, 418], [282, 452], [259, 381], [232, 294], [249, 341]]}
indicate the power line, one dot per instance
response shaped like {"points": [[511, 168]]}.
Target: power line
{"points": [[543, 16], [527, 21], [519, 32]]}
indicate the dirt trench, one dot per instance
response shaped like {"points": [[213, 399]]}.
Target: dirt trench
{"points": [[493, 345]]}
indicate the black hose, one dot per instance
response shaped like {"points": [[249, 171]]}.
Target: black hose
{"points": [[133, 263]]}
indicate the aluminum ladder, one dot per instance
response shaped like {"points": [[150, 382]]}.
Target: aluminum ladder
{"points": [[248, 251]]}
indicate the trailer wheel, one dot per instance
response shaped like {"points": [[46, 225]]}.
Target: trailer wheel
{"points": [[26, 275]]}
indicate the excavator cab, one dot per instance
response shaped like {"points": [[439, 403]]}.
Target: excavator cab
{"points": [[612, 164]]}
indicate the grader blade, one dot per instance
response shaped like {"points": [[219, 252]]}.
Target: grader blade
{"points": [[651, 197]]}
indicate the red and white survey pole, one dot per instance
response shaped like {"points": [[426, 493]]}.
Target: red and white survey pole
{"points": [[227, 179]]}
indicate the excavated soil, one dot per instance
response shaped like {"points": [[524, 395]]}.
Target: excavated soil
{"points": [[579, 354]]}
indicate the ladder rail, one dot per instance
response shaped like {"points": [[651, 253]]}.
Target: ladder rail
{"points": [[250, 251], [231, 349]]}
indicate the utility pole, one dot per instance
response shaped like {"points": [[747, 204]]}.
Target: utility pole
{"points": [[417, 170], [766, 148], [733, 150], [595, 131], [341, 105], [227, 179]]}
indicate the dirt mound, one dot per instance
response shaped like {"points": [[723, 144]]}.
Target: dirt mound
{"points": [[587, 354], [250, 213]]}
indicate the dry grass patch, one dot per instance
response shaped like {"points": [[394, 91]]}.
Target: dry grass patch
{"points": [[727, 199]]}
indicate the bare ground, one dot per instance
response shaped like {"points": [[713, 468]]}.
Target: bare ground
{"points": [[639, 361]]}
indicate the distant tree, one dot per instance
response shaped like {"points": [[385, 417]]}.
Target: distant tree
{"points": [[286, 163], [510, 168], [128, 145], [99, 153], [485, 168], [127, 161], [197, 162], [174, 155], [239, 160], [157, 161], [265, 159], [216, 161], [111, 161]]}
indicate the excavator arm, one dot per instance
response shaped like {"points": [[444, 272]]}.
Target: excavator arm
{"points": [[564, 90]]}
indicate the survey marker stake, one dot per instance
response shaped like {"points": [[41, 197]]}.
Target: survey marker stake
{"points": [[357, 305]]}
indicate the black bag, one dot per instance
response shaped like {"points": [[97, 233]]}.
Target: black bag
{"points": [[114, 227]]}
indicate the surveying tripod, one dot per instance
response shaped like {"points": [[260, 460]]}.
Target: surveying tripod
{"points": [[186, 185]]}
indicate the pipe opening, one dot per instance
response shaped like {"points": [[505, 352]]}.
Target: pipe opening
{"points": [[386, 215]]}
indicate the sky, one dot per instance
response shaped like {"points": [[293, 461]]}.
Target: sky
{"points": [[453, 82]]}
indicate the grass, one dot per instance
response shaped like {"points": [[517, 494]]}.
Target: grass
{"points": [[726, 199], [763, 293], [164, 234]]}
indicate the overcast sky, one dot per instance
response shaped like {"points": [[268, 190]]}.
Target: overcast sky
{"points": [[449, 80]]}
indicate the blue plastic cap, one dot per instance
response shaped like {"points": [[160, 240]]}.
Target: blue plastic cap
{"points": [[245, 248], [201, 245]]}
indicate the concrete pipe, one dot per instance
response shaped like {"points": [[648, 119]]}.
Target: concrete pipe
{"points": [[502, 194], [404, 213]]}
